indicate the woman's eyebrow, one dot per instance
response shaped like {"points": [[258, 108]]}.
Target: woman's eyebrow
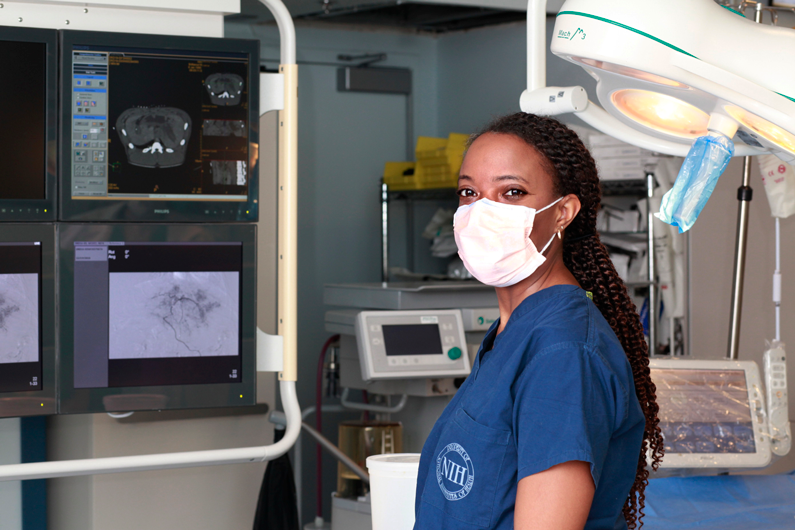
{"points": [[464, 177], [510, 177]]}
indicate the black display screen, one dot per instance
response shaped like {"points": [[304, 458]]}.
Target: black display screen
{"points": [[157, 314], [20, 317], [23, 115], [412, 339]]}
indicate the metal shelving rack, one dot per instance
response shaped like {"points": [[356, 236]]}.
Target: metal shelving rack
{"points": [[410, 196]]}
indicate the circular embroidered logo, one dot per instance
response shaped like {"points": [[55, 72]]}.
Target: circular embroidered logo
{"points": [[454, 472]]}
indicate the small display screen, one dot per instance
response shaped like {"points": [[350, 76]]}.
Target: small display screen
{"points": [[20, 311], [23, 115], [704, 411], [149, 124], [412, 339], [152, 314]]}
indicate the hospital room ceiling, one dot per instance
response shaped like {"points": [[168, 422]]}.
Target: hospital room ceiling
{"points": [[433, 16]]}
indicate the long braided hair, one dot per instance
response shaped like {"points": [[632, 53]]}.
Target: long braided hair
{"points": [[573, 171]]}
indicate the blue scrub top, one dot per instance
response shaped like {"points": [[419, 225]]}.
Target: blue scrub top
{"points": [[553, 387]]}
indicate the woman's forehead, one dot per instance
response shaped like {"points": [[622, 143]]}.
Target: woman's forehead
{"points": [[492, 157]]}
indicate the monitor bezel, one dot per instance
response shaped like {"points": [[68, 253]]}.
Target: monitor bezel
{"points": [[37, 402], [16, 210], [84, 400], [762, 456], [165, 211]]}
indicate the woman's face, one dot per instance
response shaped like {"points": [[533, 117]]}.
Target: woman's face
{"points": [[504, 168]]}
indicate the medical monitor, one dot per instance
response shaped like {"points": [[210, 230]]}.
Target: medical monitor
{"points": [[27, 319], [411, 344], [711, 413], [158, 128], [156, 316], [29, 114]]}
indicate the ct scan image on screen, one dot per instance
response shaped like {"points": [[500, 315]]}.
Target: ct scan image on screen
{"points": [[23, 142], [704, 411], [151, 314], [159, 124], [20, 310]]}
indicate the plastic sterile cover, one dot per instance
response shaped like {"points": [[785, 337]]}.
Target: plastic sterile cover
{"points": [[711, 413], [697, 178]]}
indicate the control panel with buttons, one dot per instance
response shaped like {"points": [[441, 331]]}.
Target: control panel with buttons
{"points": [[775, 362], [411, 344], [89, 124]]}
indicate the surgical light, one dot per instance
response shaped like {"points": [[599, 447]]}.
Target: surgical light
{"points": [[661, 112], [679, 50], [627, 71], [764, 128]]}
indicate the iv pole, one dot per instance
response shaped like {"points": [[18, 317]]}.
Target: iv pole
{"points": [[287, 310], [744, 195]]}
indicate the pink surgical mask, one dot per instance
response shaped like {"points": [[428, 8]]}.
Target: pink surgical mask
{"points": [[494, 242]]}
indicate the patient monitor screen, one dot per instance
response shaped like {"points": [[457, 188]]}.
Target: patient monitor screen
{"points": [[412, 339], [150, 124], [23, 115], [704, 411], [151, 314], [20, 310]]}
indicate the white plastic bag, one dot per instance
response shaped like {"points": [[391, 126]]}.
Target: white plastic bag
{"points": [[779, 180]]}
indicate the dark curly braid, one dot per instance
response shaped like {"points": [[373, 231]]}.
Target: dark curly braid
{"points": [[574, 172]]}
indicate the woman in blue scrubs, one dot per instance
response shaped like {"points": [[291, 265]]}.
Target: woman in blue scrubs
{"points": [[552, 428]]}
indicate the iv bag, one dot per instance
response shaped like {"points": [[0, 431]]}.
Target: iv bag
{"points": [[779, 180]]}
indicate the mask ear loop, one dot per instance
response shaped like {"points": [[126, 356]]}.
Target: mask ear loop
{"points": [[550, 205], [551, 239]]}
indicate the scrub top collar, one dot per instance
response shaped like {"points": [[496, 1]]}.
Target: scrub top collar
{"points": [[532, 302], [527, 305]]}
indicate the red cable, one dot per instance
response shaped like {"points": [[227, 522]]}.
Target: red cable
{"points": [[318, 421]]}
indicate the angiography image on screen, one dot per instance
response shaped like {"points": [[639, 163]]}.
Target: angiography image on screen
{"points": [[152, 314], [173, 314], [20, 313], [704, 411], [154, 137], [19, 318]]}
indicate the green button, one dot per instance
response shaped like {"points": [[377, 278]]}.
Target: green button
{"points": [[454, 352]]}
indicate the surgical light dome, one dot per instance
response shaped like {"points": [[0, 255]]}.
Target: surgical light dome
{"points": [[667, 72]]}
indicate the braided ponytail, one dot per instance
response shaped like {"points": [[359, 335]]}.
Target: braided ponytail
{"points": [[573, 171]]}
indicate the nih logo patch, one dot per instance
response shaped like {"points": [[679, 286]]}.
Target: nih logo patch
{"points": [[454, 472]]}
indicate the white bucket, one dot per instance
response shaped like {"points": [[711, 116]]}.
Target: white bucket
{"points": [[393, 485]]}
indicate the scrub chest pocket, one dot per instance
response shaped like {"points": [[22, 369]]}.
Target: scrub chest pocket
{"points": [[466, 470]]}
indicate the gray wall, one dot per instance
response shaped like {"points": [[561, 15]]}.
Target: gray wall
{"points": [[482, 73]]}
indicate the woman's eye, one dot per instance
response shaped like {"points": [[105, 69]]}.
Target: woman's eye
{"points": [[466, 192], [514, 193]]}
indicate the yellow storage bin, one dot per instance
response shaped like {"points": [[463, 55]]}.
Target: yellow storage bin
{"points": [[439, 160], [401, 176], [438, 163], [429, 147]]}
